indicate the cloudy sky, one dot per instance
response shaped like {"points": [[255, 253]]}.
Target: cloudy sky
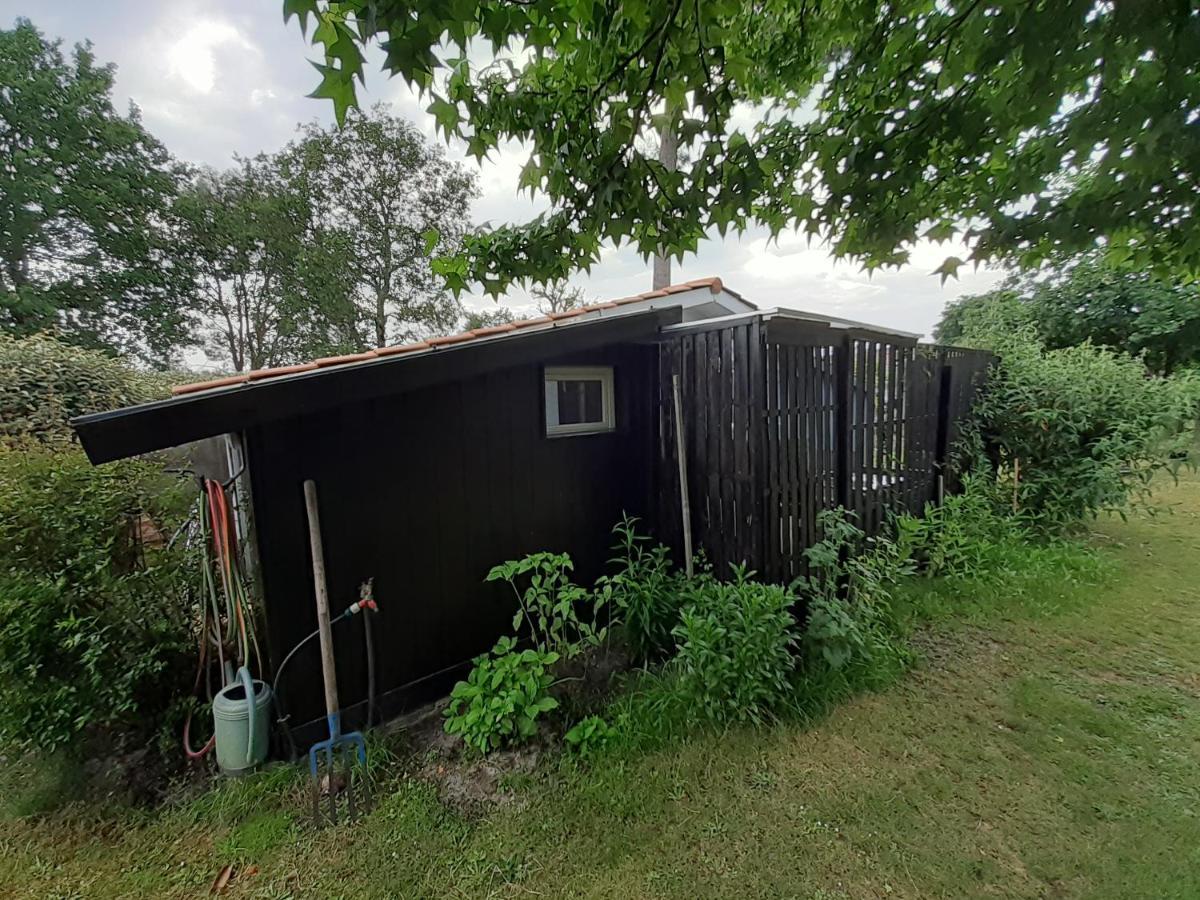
{"points": [[220, 77]]}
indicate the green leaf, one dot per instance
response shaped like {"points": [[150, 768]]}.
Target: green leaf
{"points": [[337, 86]]}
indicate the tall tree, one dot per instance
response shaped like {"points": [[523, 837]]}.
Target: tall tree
{"points": [[378, 181], [272, 286], [83, 197], [1028, 128], [1087, 300], [485, 318], [558, 296]]}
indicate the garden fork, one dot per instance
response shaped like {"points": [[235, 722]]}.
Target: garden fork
{"points": [[351, 744]]}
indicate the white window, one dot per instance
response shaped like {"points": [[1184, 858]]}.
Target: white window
{"points": [[579, 400]]}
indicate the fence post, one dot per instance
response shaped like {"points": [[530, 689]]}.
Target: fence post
{"points": [[942, 448], [843, 418]]}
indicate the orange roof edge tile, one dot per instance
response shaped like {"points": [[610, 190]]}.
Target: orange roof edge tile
{"points": [[402, 348], [259, 374], [451, 339], [347, 358], [206, 385], [493, 329]]}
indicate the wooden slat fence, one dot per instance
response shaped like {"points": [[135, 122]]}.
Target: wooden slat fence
{"points": [[783, 420]]}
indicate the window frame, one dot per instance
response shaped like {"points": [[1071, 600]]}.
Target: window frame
{"points": [[603, 374]]}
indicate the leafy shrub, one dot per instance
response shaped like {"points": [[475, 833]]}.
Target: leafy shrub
{"points": [[645, 588], [1077, 431], [93, 627], [962, 536], [589, 736], [735, 648], [550, 604], [848, 591], [44, 382], [503, 696]]}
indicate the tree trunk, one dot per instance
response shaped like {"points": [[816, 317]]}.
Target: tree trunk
{"points": [[380, 318], [668, 155]]}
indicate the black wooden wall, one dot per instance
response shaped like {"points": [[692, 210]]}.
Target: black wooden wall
{"points": [[786, 418], [426, 491]]}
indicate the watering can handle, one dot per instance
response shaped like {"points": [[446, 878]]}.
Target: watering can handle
{"points": [[251, 711]]}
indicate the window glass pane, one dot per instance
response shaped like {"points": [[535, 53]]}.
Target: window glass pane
{"points": [[580, 401]]}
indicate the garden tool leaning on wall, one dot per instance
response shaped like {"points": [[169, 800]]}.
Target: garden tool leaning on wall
{"points": [[346, 747]]}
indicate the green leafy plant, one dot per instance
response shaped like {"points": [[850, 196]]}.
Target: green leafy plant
{"points": [[847, 591], [589, 736], [964, 535], [94, 617], [735, 648], [550, 604], [1074, 432], [44, 382], [505, 693], [645, 588]]}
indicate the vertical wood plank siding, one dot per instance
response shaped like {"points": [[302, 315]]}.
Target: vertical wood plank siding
{"points": [[426, 491], [781, 423]]}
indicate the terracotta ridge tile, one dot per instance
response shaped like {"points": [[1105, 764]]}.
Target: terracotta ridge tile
{"points": [[450, 339], [194, 386], [525, 323], [275, 371], [567, 313], [402, 348], [339, 360], [493, 329]]}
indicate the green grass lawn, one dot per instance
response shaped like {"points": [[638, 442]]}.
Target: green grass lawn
{"points": [[1048, 745]]}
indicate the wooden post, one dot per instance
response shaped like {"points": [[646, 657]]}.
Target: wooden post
{"points": [[681, 454], [845, 421], [942, 441], [328, 672]]}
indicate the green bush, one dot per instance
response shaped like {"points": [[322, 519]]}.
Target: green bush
{"points": [[646, 590], [502, 697], [561, 616], [44, 382], [735, 648], [848, 590], [1074, 432], [93, 625], [966, 534]]}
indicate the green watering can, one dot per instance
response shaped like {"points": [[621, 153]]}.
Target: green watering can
{"points": [[240, 722]]}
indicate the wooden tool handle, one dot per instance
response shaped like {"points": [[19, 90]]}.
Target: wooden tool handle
{"points": [[328, 672]]}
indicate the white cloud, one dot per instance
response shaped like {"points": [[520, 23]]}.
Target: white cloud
{"points": [[193, 56]]}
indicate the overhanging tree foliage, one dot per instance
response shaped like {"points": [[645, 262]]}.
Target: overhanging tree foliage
{"points": [[1028, 128], [83, 197], [1086, 300]]}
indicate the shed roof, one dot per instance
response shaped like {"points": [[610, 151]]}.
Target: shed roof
{"points": [[591, 311], [231, 404]]}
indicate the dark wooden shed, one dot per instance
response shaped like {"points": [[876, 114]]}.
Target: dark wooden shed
{"points": [[434, 461]]}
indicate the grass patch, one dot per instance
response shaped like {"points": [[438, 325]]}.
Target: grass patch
{"points": [[1045, 744]]}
